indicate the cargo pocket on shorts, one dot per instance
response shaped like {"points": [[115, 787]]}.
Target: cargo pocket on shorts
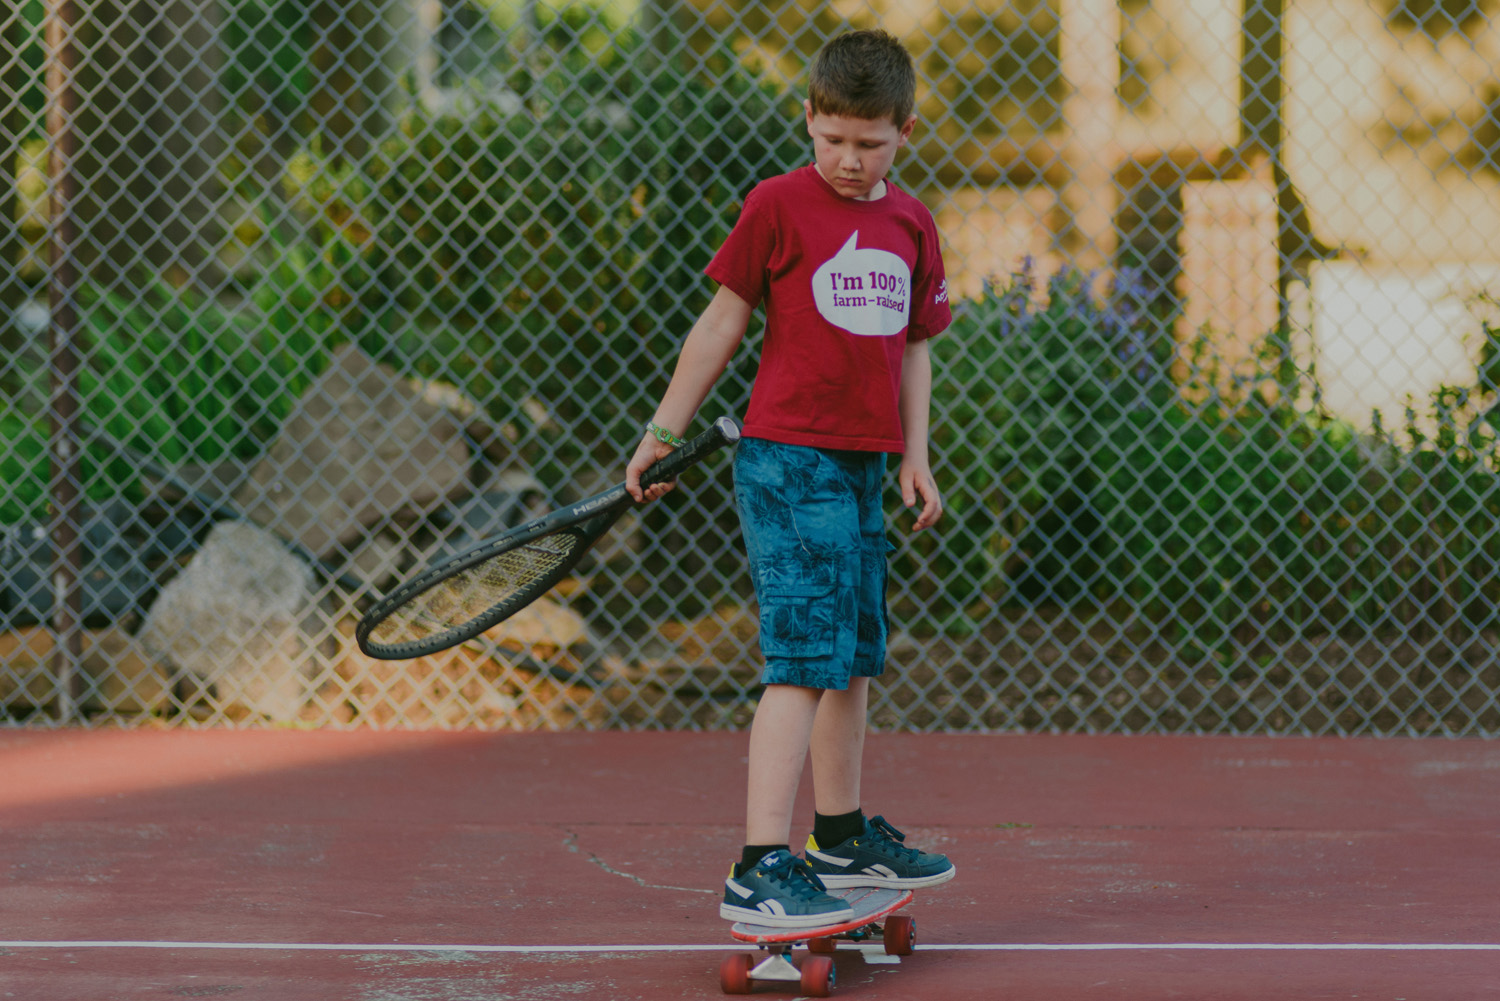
{"points": [[797, 609]]}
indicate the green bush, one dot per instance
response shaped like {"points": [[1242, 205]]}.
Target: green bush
{"points": [[177, 376], [1090, 479], [449, 255], [558, 297], [23, 468], [552, 251], [181, 378], [1025, 397]]}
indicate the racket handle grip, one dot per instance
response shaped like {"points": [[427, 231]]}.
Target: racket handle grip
{"points": [[724, 431]]}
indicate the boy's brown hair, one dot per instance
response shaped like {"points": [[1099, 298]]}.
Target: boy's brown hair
{"points": [[863, 74]]}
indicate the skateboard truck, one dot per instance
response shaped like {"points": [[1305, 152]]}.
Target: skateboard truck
{"points": [[778, 966]]}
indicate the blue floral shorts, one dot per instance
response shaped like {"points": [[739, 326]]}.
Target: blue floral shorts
{"points": [[814, 530]]}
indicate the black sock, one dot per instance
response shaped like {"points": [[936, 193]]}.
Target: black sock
{"points": [[752, 854], [835, 830]]}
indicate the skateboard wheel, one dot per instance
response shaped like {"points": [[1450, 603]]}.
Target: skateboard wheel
{"points": [[817, 976], [900, 935], [734, 973], [823, 946]]}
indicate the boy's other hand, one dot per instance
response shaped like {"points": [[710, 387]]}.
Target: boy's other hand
{"points": [[918, 482], [646, 454]]}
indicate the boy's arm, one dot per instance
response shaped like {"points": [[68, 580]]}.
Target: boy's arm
{"points": [[916, 471], [707, 350]]}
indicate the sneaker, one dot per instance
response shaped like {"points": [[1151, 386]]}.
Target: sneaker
{"points": [[781, 892], [877, 858]]}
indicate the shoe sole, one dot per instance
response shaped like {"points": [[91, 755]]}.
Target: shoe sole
{"points": [[754, 917], [890, 883]]}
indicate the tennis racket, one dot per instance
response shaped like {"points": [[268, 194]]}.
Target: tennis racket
{"points": [[462, 596]]}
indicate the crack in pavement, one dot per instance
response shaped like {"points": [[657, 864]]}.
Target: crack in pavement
{"points": [[571, 844]]}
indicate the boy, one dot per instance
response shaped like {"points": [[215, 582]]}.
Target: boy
{"points": [[850, 273]]}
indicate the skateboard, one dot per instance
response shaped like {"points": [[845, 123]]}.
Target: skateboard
{"points": [[873, 919]]}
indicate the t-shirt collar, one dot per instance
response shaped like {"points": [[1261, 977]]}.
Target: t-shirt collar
{"points": [[822, 182]]}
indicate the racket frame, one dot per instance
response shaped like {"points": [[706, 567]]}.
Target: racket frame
{"points": [[590, 518]]}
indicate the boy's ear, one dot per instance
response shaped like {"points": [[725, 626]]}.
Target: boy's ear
{"points": [[906, 130], [807, 107]]}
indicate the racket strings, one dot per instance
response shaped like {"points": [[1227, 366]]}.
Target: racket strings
{"points": [[476, 591]]}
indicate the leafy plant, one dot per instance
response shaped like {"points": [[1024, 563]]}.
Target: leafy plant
{"points": [[546, 256], [551, 250], [1030, 388], [181, 377], [1090, 478]]}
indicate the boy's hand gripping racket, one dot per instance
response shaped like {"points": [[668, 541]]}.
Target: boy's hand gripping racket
{"points": [[461, 597]]}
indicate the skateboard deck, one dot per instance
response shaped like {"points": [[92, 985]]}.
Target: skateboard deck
{"points": [[872, 906]]}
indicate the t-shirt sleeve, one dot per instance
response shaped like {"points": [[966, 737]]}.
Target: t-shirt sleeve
{"points": [[930, 314], [740, 264]]}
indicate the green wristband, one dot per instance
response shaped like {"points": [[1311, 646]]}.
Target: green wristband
{"points": [[664, 436]]}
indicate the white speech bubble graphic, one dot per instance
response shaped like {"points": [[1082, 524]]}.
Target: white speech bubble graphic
{"points": [[866, 292]]}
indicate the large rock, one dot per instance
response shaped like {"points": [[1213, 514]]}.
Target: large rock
{"points": [[473, 684], [543, 626], [360, 446], [242, 617]]}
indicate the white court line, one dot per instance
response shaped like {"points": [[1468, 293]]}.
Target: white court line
{"points": [[994, 947]]}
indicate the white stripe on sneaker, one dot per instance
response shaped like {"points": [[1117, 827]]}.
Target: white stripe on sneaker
{"points": [[744, 892], [830, 859]]}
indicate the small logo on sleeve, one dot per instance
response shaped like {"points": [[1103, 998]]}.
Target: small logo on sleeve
{"points": [[942, 292]]}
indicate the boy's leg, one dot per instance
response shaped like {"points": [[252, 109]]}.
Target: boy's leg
{"points": [[800, 528], [838, 747], [838, 740], [778, 888], [848, 849], [779, 739], [792, 508]]}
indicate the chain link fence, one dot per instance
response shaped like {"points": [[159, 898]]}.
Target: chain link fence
{"points": [[298, 294]]}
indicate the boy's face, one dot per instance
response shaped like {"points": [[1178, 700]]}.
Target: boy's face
{"points": [[855, 154]]}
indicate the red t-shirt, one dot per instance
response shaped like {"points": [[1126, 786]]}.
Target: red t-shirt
{"points": [[846, 284]]}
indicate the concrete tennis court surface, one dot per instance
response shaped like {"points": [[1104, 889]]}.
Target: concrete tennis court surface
{"points": [[410, 866]]}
